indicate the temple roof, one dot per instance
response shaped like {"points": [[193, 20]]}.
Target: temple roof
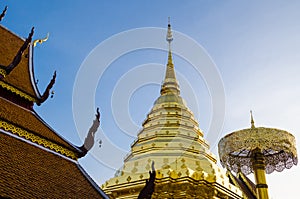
{"points": [[21, 79], [35, 129], [27, 171], [18, 93], [35, 162]]}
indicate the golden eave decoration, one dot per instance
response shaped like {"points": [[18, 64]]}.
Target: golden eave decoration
{"points": [[16, 91], [2, 72], [37, 139], [278, 148]]}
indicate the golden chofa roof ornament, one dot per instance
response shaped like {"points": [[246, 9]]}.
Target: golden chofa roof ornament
{"points": [[40, 40], [258, 150]]}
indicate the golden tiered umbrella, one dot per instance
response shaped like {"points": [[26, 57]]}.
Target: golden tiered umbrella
{"points": [[258, 150]]}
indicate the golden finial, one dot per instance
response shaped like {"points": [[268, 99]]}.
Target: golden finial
{"points": [[252, 121], [40, 40], [170, 83], [169, 40], [169, 35]]}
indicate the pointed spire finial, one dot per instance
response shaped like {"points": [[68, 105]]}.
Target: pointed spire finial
{"points": [[170, 84], [169, 34], [252, 121], [169, 40]]}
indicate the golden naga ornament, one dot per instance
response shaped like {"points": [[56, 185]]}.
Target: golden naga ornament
{"points": [[40, 40]]}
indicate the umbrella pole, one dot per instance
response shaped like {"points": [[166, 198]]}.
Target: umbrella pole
{"points": [[260, 175]]}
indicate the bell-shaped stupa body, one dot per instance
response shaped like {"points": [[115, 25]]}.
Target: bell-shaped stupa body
{"points": [[172, 139]]}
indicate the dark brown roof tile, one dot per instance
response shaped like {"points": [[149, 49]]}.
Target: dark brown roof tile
{"points": [[30, 121], [30, 172]]}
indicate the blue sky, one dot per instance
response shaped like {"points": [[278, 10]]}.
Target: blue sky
{"points": [[254, 44]]}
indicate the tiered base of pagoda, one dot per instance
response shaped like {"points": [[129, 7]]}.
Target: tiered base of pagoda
{"points": [[183, 183]]}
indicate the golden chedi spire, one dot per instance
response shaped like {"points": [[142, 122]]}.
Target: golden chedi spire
{"points": [[170, 84], [170, 137]]}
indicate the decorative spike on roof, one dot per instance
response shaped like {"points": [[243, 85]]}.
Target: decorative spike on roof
{"points": [[40, 40], [252, 121], [170, 84], [147, 191], [46, 94], [3, 13], [18, 56], [16, 69], [89, 140]]}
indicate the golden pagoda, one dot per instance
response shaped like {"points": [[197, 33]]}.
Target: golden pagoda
{"points": [[172, 140]]}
